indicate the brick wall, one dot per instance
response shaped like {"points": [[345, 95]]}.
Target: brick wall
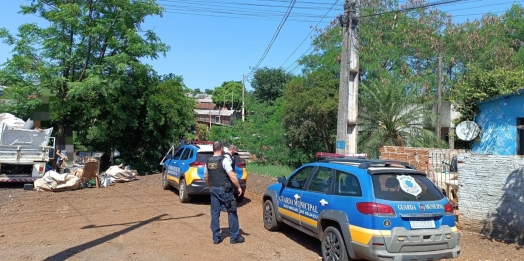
{"points": [[417, 157], [424, 159], [491, 195]]}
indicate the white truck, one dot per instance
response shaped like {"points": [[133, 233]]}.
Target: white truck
{"points": [[24, 152]]}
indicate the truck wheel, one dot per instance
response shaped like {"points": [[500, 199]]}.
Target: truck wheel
{"points": [[182, 192], [165, 183], [270, 217], [333, 247]]}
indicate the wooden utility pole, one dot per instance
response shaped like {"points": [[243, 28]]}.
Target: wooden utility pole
{"points": [[243, 88], [439, 92], [349, 69]]}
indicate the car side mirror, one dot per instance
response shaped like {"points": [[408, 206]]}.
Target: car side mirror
{"points": [[282, 180]]}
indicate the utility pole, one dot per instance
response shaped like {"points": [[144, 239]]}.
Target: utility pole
{"points": [[349, 75], [243, 88], [439, 91]]}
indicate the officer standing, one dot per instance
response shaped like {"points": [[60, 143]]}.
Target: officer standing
{"points": [[222, 183], [230, 152]]}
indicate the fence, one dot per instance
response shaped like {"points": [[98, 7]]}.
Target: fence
{"points": [[443, 171]]}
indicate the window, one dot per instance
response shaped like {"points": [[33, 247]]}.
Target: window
{"points": [[321, 180], [298, 179], [203, 156], [187, 154], [387, 186], [217, 119], [178, 153], [347, 184]]}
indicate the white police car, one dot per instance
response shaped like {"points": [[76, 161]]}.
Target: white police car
{"points": [[360, 208]]}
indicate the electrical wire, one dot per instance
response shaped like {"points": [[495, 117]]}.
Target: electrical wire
{"points": [[291, 5], [312, 30]]}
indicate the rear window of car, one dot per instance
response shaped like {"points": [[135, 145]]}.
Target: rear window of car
{"points": [[203, 156], [405, 187]]}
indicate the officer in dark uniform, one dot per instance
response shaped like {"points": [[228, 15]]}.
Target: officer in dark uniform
{"points": [[222, 183]]}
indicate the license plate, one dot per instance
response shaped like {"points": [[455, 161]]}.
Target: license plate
{"points": [[419, 224]]}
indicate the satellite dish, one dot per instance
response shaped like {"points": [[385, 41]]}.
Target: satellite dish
{"points": [[467, 130]]}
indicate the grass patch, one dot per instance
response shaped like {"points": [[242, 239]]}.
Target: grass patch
{"points": [[269, 170]]}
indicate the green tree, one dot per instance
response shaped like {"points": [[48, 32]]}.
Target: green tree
{"points": [[141, 119], [310, 113], [229, 95], [208, 91], [268, 83], [86, 51], [262, 133], [482, 84], [392, 114]]}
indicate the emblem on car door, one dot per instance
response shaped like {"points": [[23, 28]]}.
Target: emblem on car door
{"points": [[296, 196], [323, 202]]}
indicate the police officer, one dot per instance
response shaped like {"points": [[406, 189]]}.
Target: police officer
{"points": [[222, 183], [232, 149]]}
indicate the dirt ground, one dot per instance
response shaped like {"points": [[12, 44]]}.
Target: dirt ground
{"points": [[140, 221]]}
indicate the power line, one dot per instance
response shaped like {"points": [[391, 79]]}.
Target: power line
{"points": [[309, 33], [274, 36]]}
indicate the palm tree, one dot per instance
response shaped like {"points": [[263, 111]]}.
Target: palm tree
{"points": [[392, 114]]}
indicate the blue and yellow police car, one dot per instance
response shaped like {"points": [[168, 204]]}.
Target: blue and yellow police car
{"points": [[183, 169], [365, 209]]}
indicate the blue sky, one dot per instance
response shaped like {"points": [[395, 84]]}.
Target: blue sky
{"points": [[213, 41]]}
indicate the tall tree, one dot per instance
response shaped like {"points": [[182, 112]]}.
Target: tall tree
{"points": [[86, 52], [268, 83], [310, 112]]}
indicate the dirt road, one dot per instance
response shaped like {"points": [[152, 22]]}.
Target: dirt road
{"points": [[140, 221]]}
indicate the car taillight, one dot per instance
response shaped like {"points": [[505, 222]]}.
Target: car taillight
{"points": [[448, 208], [198, 164], [41, 169], [371, 208], [241, 165]]}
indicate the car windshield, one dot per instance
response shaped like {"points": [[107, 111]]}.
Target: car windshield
{"points": [[405, 187]]}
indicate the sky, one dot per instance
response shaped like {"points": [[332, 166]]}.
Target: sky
{"points": [[213, 41]]}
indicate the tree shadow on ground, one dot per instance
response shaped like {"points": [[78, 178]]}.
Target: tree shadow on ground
{"points": [[506, 222], [70, 252]]}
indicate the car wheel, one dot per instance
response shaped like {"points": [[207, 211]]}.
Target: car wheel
{"points": [[165, 183], [270, 217], [333, 247], [182, 191]]}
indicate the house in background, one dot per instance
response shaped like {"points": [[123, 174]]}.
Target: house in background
{"points": [[209, 113], [501, 121], [205, 102]]}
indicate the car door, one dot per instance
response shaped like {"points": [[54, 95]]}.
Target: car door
{"points": [[289, 196], [173, 169], [185, 159], [316, 197]]}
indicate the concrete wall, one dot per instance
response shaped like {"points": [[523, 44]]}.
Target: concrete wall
{"points": [[491, 195], [498, 120]]}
